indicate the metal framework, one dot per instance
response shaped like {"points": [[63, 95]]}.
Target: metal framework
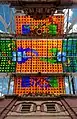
{"points": [[43, 6]]}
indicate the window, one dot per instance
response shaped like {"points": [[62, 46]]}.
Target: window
{"points": [[51, 107], [25, 108]]}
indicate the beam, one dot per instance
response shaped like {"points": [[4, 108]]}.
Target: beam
{"points": [[59, 3]]}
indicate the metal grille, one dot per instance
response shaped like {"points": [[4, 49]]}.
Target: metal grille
{"points": [[50, 107], [25, 107]]}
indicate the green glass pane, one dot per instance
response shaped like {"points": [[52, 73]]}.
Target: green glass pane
{"points": [[56, 85], [52, 32], [53, 50], [52, 27]]}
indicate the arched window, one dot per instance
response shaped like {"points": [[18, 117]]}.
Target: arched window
{"points": [[24, 107], [51, 107]]}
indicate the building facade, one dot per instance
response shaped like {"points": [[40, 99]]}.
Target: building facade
{"points": [[21, 107]]}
